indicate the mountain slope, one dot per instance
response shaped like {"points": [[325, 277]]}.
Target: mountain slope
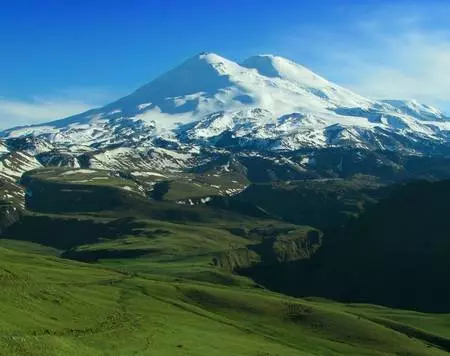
{"points": [[267, 103], [13, 162], [52, 306], [396, 253], [417, 110]]}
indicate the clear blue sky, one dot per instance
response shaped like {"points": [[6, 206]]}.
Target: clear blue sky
{"points": [[74, 54]]}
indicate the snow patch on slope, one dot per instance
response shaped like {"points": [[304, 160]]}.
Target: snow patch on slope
{"points": [[13, 165], [417, 110]]}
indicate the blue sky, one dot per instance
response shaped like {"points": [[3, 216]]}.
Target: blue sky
{"points": [[61, 57]]}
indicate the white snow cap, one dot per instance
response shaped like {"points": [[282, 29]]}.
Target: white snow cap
{"points": [[276, 66], [266, 97]]}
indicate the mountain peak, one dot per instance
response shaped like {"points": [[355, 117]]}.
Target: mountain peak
{"points": [[269, 58], [210, 57], [211, 60], [205, 72], [273, 66]]}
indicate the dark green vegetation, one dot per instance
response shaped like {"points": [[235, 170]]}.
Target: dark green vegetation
{"points": [[396, 253], [98, 265], [322, 203]]}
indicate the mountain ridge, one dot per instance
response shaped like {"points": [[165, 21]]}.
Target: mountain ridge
{"points": [[265, 104]]}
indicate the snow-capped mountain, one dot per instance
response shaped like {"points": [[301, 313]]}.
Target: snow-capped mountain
{"points": [[266, 103]]}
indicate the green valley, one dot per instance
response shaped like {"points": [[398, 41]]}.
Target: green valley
{"points": [[91, 268]]}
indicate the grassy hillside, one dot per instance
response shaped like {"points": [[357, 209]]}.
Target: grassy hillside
{"points": [[117, 227], [57, 307], [95, 269]]}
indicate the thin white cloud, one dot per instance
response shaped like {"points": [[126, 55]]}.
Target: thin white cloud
{"points": [[18, 113], [44, 108], [398, 52], [412, 64]]}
